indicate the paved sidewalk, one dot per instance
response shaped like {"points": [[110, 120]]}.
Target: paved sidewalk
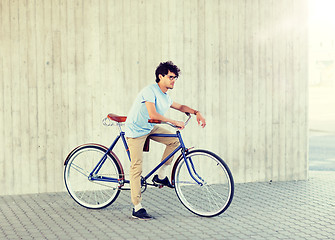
{"points": [[280, 210]]}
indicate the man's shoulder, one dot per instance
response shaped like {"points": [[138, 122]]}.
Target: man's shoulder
{"points": [[149, 88]]}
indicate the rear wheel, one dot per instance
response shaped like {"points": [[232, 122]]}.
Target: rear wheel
{"points": [[90, 193], [210, 191]]}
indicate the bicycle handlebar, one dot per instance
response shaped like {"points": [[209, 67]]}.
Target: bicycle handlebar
{"points": [[170, 124]]}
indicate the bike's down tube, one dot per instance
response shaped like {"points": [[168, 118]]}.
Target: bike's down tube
{"points": [[162, 162], [181, 146]]}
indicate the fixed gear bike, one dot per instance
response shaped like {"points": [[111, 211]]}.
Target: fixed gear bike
{"points": [[94, 175]]}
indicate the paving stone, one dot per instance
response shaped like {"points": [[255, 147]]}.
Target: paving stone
{"points": [[281, 210]]}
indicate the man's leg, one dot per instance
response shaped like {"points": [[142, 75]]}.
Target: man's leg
{"points": [[171, 144], [136, 155]]}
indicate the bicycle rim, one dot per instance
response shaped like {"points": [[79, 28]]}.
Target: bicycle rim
{"points": [[88, 193], [214, 193]]}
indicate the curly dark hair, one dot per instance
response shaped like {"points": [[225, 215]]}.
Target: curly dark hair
{"points": [[164, 68]]}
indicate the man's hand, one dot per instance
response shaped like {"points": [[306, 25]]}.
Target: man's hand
{"points": [[183, 108], [201, 120], [180, 125]]}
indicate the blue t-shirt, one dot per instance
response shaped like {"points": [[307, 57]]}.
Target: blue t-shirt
{"points": [[137, 120]]}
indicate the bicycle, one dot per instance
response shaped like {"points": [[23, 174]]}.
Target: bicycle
{"points": [[94, 175]]}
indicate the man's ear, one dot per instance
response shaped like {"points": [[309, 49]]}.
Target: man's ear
{"points": [[160, 76]]}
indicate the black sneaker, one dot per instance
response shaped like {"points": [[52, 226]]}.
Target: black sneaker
{"points": [[141, 214], [164, 182]]}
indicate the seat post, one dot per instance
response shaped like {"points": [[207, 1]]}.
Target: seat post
{"points": [[119, 125]]}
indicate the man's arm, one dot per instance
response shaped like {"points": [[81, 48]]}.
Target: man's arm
{"points": [[183, 108], [153, 114]]}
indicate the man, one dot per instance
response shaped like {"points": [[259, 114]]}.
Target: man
{"points": [[152, 103]]}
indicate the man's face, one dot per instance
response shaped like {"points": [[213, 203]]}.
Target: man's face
{"points": [[168, 80]]}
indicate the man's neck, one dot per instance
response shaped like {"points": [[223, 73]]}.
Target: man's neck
{"points": [[164, 89]]}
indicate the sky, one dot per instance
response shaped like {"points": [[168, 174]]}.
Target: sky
{"points": [[322, 16]]}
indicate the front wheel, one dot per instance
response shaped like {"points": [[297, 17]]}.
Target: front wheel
{"points": [[204, 183], [87, 190]]}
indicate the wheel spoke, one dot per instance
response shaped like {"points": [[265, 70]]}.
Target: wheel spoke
{"points": [[105, 185], [211, 197], [80, 170]]}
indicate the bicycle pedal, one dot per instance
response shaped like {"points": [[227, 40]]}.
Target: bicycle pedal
{"points": [[157, 185]]}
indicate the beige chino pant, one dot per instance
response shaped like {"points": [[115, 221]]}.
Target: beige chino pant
{"points": [[136, 154]]}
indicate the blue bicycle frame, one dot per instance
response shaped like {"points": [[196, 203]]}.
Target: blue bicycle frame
{"points": [[95, 177]]}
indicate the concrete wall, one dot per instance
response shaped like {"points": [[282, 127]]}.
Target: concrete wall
{"points": [[65, 64]]}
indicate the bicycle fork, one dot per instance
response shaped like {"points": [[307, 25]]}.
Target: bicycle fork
{"points": [[189, 163], [191, 170]]}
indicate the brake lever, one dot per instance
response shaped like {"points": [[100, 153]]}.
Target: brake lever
{"points": [[185, 123], [188, 119]]}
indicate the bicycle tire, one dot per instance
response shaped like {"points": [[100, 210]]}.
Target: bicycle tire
{"points": [[215, 193], [87, 193]]}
